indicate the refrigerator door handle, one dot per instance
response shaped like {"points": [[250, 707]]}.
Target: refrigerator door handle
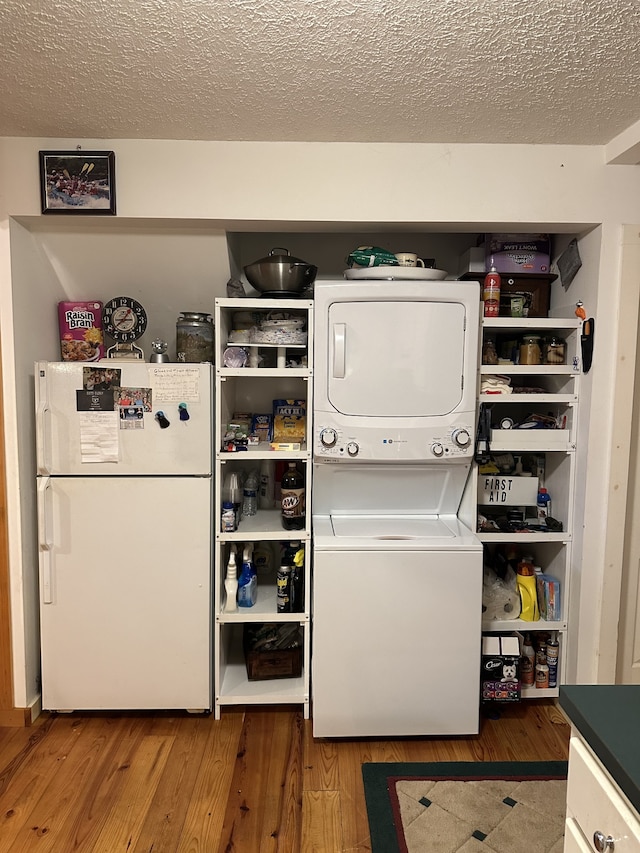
{"points": [[339, 334], [43, 427], [45, 543]]}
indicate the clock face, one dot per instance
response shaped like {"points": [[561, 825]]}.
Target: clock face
{"points": [[124, 319]]}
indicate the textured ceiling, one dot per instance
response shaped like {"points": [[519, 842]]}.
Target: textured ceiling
{"points": [[522, 71]]}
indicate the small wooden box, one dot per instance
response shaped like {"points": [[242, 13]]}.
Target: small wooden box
{"points": [[276, 663]]}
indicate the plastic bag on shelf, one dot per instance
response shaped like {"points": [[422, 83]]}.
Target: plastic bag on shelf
{"points": [[500, 597]]}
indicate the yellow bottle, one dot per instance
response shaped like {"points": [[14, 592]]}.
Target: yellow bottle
{"points": [[526, 580]]}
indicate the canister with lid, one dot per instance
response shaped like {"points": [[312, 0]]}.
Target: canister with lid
{"points": [[554, 349], [194, 337], [530, 350]]}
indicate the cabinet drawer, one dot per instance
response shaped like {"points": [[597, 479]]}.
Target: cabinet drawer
{"points": [[573, 840], [596, 804]]}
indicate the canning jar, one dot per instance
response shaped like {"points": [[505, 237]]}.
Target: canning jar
{"points": [[530, 350], [555, 350], [194, 337]]}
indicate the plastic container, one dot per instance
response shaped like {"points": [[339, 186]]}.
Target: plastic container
{"points": [[266, 494], [231, 585], [491, 292], [527, 663], [542, 675], [194, 337], [544, 504], [292, 495], [526, 582], [232, 492], [248, 580], [228, 524]]}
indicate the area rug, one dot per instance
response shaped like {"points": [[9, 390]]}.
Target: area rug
{"points": [[466, 807]]}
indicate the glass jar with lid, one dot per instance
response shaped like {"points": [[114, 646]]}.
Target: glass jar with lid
{"points": [[530, 350], [194, 337], [554, 350]]}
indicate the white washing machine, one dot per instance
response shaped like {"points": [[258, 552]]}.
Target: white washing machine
{"points": [[397, 572]]}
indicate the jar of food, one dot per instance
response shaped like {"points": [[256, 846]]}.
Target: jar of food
{"points": [[489, 354], [194, 337], [530, 350], [555, 350]]}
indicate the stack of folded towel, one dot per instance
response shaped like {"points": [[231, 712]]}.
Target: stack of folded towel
{"points": [[495, 384]]}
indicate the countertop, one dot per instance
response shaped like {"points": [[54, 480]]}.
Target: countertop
{"points": [[608, 718]]}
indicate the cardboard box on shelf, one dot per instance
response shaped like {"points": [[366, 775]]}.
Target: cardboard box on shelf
{"points": [[500, 674], [518, 253]]}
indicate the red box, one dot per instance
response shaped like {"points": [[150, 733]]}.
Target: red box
{"points": [[81, 337], [518, 253]]}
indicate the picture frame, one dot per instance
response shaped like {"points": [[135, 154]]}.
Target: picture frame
{"points": [[78, 182]]}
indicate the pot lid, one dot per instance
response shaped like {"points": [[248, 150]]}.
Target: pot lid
{"points": [[279, 256]]}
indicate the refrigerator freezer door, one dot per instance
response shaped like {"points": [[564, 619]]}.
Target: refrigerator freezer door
{"points": [[396, 642], [125, 574], [64, 431]]}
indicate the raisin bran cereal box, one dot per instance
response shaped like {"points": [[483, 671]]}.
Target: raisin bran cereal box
{"points": [[81, 336]]}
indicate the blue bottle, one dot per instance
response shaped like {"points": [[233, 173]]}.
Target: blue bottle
{"points": [[248, 580]]}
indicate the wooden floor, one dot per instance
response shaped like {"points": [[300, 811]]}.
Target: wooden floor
{"points": [[255, 781]]}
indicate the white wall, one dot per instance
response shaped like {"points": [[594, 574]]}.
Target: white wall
{"points": [[178, 198]]}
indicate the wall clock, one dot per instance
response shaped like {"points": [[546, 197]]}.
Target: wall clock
{"points": [[125, 320]]}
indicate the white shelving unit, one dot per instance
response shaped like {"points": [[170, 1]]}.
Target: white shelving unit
{"points": [[253, 389], [558, 396]]}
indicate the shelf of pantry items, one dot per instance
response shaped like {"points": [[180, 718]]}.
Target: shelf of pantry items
{"points": [[236, 689], [526, 324], [266, 524], [510, 369], [263, 451], [224, 372], [265, 609], [528, 398], [492, 625], [531, 440], [539, 692], [523, 537]]}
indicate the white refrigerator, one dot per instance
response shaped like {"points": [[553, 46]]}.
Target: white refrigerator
{"points": [[124, 486]]}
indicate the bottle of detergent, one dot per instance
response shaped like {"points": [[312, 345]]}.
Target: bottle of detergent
{"points": [[248, 580], [526, 581]]}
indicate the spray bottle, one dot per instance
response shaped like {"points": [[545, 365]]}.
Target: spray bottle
{"points": [[248, 581], [231, 583], [491, 292]]}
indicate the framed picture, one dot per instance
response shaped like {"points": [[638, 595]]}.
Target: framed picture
{"points": [[80, 182]]}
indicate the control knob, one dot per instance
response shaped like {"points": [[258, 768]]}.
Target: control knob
{"points": [[328, 437], [462, 437], [437, 449], [352, 448]]}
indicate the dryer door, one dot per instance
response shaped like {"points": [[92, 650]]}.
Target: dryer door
{"points": [[395, 359]]}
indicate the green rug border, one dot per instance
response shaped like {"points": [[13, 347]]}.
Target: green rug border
{"points": [[384, 838]]}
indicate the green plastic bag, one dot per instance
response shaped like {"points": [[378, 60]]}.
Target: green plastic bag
{"points": [[371, 256]]}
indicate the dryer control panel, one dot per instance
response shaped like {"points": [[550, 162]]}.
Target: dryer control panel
{"points": [[375, 444]]}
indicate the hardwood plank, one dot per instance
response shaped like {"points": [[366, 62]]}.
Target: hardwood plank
{"points": [[321, 822], [206, 808], [142, 776]]}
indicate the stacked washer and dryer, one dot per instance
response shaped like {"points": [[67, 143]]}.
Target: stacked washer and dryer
{"points": [[397, 573]]}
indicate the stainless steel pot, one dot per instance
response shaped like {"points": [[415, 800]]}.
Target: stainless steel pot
{"points": [[280, 271]]}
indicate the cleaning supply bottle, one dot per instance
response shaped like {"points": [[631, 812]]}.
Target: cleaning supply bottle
{"points": [[526, 582], [527, 662], [231, 584], [491, 292], [544, 504], [248, 581], [553, 649]]}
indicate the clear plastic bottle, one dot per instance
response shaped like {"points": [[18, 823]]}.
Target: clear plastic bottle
{"points": [[250, 494], [266, 496]]}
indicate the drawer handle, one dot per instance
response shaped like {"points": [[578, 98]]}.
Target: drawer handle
{"points": [[602, 842]]}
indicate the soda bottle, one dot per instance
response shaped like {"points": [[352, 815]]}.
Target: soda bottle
{"points": [[293, 498]]}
